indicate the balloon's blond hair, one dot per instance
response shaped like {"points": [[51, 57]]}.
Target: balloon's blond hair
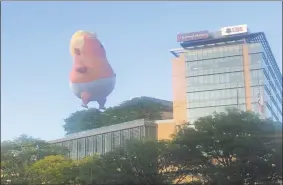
{"points": [[77, 40]]}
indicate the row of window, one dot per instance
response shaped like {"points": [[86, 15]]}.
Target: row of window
{"points": [[215, 87], [213, 52], [195, 113], [224, 97], [270, 113], [275, 102], [212, 103], [222, 65], [215, 63], [102, 143], [216, 98], [223, 80], [255, 48], [271, 70], [221, 51], [221, 94], [216, 79], [270, 80], [214, 70], [219, 65], [203, 101], [272, 90]]}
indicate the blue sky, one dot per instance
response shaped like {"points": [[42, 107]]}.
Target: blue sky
{"points": [[36, 62]]}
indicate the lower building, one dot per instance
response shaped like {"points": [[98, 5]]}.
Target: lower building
{"points": [[106, 139]]}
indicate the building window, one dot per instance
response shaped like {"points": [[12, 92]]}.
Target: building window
{"points": [[107, 142], [135, 133], [209, 53], [89, 146], [199, 54], [256, 61], [255, 48], [99, 144], [74, 149], [126, 134], [142, 132], [81, 148], [68, 146], [151, 132], [116, 139], [94, 144], [204, 54]]}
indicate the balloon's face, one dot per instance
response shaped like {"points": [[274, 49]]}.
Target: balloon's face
{"points": [[90, 62]]}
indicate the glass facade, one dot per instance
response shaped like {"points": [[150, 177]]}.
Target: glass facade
{"points": [[264, 84], [106, 142], [215, 81], [272, 91]]}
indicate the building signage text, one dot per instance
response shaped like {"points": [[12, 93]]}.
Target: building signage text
{"points": [[184, 37], [232, 30]]}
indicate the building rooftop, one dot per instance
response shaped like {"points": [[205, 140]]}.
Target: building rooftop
{"points": [[216, 37], [110, 128]]}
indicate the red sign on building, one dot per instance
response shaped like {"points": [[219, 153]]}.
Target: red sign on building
{"points": [[184, 37]]}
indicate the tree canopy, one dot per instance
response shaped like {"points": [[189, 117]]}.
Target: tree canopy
{"points": [[231, 148], [136, 108], [235, 147], [19, 154], [53, 169]]}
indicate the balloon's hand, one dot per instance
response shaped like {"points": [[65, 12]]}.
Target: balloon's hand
{"points": [[86, 97]]}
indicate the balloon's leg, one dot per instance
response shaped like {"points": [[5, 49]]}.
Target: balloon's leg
{"points": [[101, 104], [85, 96]]}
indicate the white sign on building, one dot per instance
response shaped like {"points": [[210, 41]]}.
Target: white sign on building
{"points": [[233, 30]]}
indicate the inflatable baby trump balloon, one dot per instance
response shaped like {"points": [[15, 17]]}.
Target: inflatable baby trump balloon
{"points": [[92, 77]]}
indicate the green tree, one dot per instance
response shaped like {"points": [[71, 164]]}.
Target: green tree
{"points": [[138, 162], [19, 154], [137, 108], [91, 170], [231, 148], [53, 169]]}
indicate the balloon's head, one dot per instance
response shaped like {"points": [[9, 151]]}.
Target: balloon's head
{"points": [[89, 56], [79, 41]]}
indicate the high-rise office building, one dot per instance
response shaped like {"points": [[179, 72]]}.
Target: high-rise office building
{"points": [[228, 68]]}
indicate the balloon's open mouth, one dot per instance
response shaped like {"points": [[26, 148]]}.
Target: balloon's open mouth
{"points": [[77, 51]]}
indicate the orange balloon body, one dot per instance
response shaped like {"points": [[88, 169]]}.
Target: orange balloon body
{"points": [[92, 77]]}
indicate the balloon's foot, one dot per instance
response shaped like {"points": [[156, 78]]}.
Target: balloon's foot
{"points": [[102, 108], [84, 106]]}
